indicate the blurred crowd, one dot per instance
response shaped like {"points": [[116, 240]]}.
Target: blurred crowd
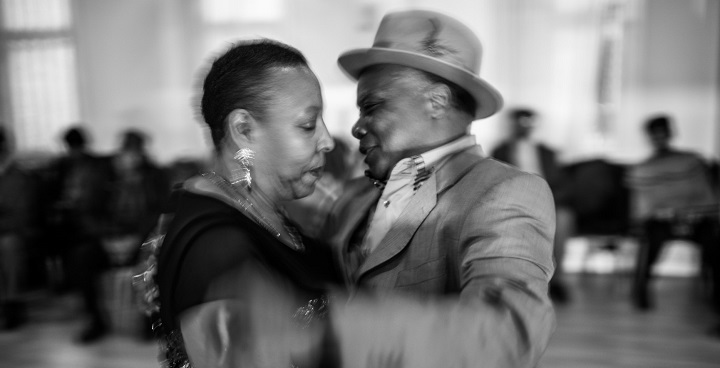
{"points": [[66, 222], [670, 195]]}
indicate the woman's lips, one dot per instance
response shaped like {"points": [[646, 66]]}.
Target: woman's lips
{"points": [[317, 172]]}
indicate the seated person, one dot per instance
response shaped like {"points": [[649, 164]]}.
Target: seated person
{"points": [[15, 228], [672, 198]]}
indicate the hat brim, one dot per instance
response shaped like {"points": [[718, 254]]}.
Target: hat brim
{"points": [[488, 99]]}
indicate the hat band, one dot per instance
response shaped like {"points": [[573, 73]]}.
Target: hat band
{"points": [[431, 50]]}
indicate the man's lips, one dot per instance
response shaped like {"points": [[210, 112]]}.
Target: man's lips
{"points": [[366, 149]]}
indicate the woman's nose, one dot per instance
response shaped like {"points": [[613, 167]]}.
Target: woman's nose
{"points": [[326, 142]]}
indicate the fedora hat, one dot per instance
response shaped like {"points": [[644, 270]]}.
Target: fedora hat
{"points": [[431, 42]]}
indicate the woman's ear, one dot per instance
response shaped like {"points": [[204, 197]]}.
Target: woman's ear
{"points": [[241, 127]]}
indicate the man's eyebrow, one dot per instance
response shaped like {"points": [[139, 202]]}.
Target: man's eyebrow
{"points": [[362, 98], [368, 96]]}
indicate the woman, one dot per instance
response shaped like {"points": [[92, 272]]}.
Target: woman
{"points": [[238, 285]]}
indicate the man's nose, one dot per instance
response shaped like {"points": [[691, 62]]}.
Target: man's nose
{"points": [[359, 130]]}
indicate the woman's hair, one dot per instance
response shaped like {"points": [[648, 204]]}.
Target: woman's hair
{"points": [[242, 77]]}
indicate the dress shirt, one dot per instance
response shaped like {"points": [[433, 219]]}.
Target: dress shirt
{"points": [[401, 186]]}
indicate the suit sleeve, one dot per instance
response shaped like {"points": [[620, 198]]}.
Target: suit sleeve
{"points": [[502, 316]]}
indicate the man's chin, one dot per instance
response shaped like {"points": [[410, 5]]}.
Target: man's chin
{"points": [[377, 168], [375, 176]]}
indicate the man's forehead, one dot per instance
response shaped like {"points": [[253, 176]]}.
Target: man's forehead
{"points": [[382, 80]]}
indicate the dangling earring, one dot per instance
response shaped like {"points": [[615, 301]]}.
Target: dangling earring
{"points": [[244, 157]]}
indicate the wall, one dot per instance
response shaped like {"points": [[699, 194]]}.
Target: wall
{"points": [[672, 67], [139, 61], [135, 67]]}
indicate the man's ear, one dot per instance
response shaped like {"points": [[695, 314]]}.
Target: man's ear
{"points": [[241, 127], [439, 100]]}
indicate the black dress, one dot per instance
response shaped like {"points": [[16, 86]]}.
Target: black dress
{"points": [[209, 240]]}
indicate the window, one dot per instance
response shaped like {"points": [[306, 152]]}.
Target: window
{"points": [[234, 11], [39, 75]]}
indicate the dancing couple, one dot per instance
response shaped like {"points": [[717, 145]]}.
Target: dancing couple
{"points": [[440, 257]]}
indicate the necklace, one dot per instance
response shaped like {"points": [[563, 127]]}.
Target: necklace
{"points": [[252, 210]]}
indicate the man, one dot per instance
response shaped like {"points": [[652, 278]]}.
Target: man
{"points": [[139, 193], [450, 251], [522, 151], [672, 198], [83, 183]]}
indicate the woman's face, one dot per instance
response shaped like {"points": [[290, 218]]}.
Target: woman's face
{"points": [[291, 141]]}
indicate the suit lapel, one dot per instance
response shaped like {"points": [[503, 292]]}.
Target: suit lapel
{"points": [[400, 233], [447, 174], [351, 220]]}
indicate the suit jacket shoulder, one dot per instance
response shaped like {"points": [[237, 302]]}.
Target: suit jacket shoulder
{"points": [[469, 166]]}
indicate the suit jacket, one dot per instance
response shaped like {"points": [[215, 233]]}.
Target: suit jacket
{"points": [[460, 279]]}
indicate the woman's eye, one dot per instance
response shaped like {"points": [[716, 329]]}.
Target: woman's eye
{"points": [[309, 125]]}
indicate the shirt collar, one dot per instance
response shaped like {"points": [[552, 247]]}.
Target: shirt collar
{"points": [[420, 166], [434, 155]]}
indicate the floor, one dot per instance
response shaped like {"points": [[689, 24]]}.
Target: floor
{"points": [[597, 329]]}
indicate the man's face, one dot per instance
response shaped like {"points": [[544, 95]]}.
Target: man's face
{"points": [[524, 126], [659, 138], [394, 122]]}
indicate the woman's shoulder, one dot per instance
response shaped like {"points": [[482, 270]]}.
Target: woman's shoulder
{"points": [[205, 239], [203, 225], [199, 209], [198, 218]]}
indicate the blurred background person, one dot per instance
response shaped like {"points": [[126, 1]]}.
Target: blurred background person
{"points": [[672, 198], [83, 185], [523, 151], [140, 190], [16, 207], [138, 194]]}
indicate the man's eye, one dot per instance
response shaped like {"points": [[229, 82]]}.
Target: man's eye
{"points": [[368, 108]]}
